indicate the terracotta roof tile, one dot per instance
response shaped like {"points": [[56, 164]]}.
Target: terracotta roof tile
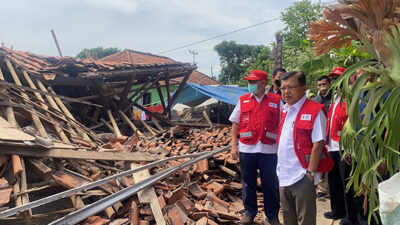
{"points": [[141, 58]]}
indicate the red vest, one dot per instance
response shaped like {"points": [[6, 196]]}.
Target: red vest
{"points": [[339, 119], [259, 121], [302, 130]]}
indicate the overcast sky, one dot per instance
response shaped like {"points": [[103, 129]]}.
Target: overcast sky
{"points": [[152, 26]]}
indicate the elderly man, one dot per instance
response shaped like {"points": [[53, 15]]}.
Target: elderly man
{"points": [[276, 82], [255, 121], [301, 151]]}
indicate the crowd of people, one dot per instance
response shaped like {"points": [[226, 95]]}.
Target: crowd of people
{"points": [[292, 143]]}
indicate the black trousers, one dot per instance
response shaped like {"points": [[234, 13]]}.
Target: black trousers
{"points": [[343, 204], [336, 187]]}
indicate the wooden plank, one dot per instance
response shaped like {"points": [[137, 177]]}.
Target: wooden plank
{"points": [[72, 154], [148, 195], [14, 135]]}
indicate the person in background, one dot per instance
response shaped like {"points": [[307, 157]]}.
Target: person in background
{"points": [[255, 122], [336, 73], [324, 96], [276, 82], [301, 151]]}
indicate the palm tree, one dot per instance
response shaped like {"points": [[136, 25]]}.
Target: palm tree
{"points": [[372, 133]]}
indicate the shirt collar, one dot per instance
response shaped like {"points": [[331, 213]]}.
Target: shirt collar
{"points": [[297, 106], [265, 94]]}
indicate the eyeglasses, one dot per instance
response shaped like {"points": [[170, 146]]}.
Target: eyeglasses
{"points": [[290, 88]]}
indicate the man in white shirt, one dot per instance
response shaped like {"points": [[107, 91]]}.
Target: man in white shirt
{"points": [[255, 120], [300, 150]]}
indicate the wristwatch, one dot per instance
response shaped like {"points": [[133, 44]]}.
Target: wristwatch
{"points": [[311, 173]]}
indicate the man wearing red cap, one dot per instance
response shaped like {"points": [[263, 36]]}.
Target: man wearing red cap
{"points": [[255, 122], [336, 73]]}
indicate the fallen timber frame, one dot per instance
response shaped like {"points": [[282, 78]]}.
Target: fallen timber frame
{"points": [[100, 205], [141, 185], [40, 152]]}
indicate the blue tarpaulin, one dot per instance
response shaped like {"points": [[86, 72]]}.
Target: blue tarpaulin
{"points": [[195, 94]]}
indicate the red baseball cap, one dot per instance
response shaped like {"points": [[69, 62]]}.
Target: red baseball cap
{"points": [[257, 75], [337, 71]]}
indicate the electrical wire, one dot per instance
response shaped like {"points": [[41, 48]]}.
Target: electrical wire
{"points": [[221, 35]]}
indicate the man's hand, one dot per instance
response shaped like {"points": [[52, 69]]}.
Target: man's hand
{"points": [[234, 152], [347, 159], [310, 177]]}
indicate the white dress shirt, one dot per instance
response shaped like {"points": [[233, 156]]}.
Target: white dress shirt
{"points": [[289, 169], [259, 147], [333, 145]]}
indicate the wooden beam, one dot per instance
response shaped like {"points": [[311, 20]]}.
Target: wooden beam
{"points": [[117, 132], [125, 93], [156, 115], [160, 95], [129, 122], [152, 83], [72, 154], [166, 110], [39, 168], [177, 93], [147, 127], [207, 118]]}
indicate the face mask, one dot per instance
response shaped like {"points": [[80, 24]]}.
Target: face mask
{"points": [[252, 88], [278, 83]]}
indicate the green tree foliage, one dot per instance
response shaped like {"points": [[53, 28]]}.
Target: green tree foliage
{"points": [[98, 52], [296, 50], [297, 17], [235, 59]]}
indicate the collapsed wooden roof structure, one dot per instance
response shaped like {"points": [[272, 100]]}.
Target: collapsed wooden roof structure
{"points": [[106, 85], [45, 148]]}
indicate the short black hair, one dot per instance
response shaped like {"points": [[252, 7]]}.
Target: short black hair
{"points": [[301, 77], [324, 77], [278, 70]]}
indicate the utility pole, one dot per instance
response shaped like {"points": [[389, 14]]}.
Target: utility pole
{"points": [[194, 54], [55, 40], [212, 73]]}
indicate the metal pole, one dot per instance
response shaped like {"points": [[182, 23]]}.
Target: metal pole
{"points": [[100, 205], [86, 187], [55, 40]]}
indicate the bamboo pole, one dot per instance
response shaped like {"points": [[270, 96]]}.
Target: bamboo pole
{"points": [[69, 115], [55, 106], [114, 124], [36, 120], [129, 122], [55, 124]]}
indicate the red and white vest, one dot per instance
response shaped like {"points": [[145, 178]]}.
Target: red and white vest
{"points": [[259, 121], [302, 131], [338, 120]]}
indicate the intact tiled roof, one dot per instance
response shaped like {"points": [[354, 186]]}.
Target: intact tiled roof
{"points": [[140, 58], [134, 57]]}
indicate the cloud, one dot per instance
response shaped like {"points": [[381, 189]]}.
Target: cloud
{"points": [[128, 6]]}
